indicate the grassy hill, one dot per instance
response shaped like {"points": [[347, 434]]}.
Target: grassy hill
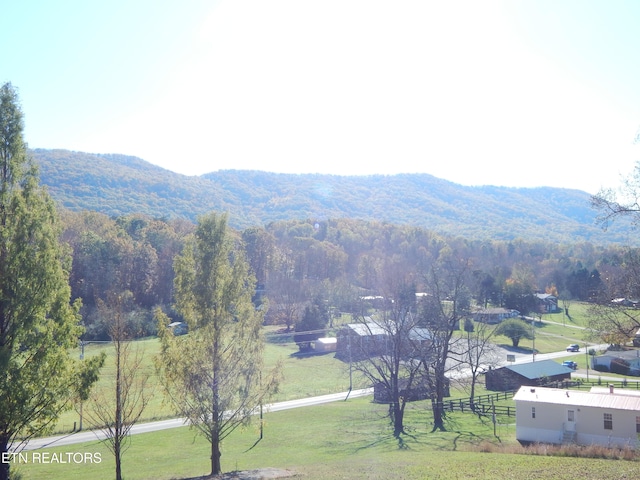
{"points": [[120, 184]]}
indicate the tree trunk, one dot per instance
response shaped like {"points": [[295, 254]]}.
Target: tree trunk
{"points": [[473, 393], [398, 420], [216, 468], [4, 448], [116, 451], [395, 409], [438, 405]]}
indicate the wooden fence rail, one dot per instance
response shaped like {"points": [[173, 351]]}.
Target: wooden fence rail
{"points": [[483, 404]]}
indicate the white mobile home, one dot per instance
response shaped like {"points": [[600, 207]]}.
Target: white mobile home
{"points": [[602, 416]]}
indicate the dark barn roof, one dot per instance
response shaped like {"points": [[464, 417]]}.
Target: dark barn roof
{"points": [[535, 370], [512, 377]]}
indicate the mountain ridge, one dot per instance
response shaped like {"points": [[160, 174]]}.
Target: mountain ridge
{"points": [[117, 184]]}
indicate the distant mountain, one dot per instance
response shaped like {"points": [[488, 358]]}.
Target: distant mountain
{"points": [[120, 184]]}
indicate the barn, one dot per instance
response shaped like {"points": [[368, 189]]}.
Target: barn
{"points": [[512, 377]]}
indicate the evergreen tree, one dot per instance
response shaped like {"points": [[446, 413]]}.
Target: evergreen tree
{"points": [[38, 378], [213, 374], [314, 319]]}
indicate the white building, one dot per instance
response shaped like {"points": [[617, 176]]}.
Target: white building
{"points": [[602, 416], [325, 344]]}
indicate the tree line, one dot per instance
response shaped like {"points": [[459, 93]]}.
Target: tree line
{"points": [[299, 262]]}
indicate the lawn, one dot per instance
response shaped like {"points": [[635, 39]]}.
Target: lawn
{"points": [[340, 440], [554, 333], [312, 375], [304, 376]]}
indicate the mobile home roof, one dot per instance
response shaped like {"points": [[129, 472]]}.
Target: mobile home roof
{"points": [[615, 401]]}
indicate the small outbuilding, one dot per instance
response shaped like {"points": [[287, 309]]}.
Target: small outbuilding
{"points": [[418, 391], [325, 344], [512, 377], [603, 416]]}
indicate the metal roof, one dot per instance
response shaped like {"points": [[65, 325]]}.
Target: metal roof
{"points": [[556, 396], [624, 354], [367, 329], [543, 368]]}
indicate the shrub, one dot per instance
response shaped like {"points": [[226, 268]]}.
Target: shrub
{"points": [[573, 450], [620, 366]]}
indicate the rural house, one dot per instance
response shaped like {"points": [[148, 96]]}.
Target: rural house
{"points": [[356, 341], [625, 362], [546, 303], [602, 416], [493, 316], [359, 340], [512, 377]]}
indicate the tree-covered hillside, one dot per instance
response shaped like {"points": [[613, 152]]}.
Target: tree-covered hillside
{"points": [[119, 185]]}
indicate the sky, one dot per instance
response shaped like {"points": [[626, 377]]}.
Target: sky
{"points": [[510, 93]]}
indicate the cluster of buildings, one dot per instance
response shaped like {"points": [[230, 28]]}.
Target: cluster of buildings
{"points": [[546, 411]]}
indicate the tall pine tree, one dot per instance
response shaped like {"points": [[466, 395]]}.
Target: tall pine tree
{"points": [[38, 325]]}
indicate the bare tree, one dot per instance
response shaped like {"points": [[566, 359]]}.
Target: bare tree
{"points": [[479, 353], [623, 202], [442, 310], [613, 316], [286, 301], [286, 292], [117, 406], [386, 349], [612, 323]]}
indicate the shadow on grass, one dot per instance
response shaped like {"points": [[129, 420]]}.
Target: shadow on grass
{"points": [[308, 354], [470, 437], [511, 348]]}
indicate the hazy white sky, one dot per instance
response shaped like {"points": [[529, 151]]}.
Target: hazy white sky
{"points": [[516, 93]]}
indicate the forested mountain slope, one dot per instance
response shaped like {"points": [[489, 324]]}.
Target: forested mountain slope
{"points": [[119, 184]]}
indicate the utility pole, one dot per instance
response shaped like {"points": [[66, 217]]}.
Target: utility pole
{"points": [[586, 356], [81, 402], [533, 333]]}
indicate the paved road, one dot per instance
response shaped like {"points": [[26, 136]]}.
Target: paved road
{"points": [[95, 435]]}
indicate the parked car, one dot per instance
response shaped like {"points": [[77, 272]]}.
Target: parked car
{"points": [[574, 347], [571, 364]]}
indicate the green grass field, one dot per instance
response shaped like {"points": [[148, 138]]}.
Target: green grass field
{"points": [[304, 376], [335, 441], [339, 440]]}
